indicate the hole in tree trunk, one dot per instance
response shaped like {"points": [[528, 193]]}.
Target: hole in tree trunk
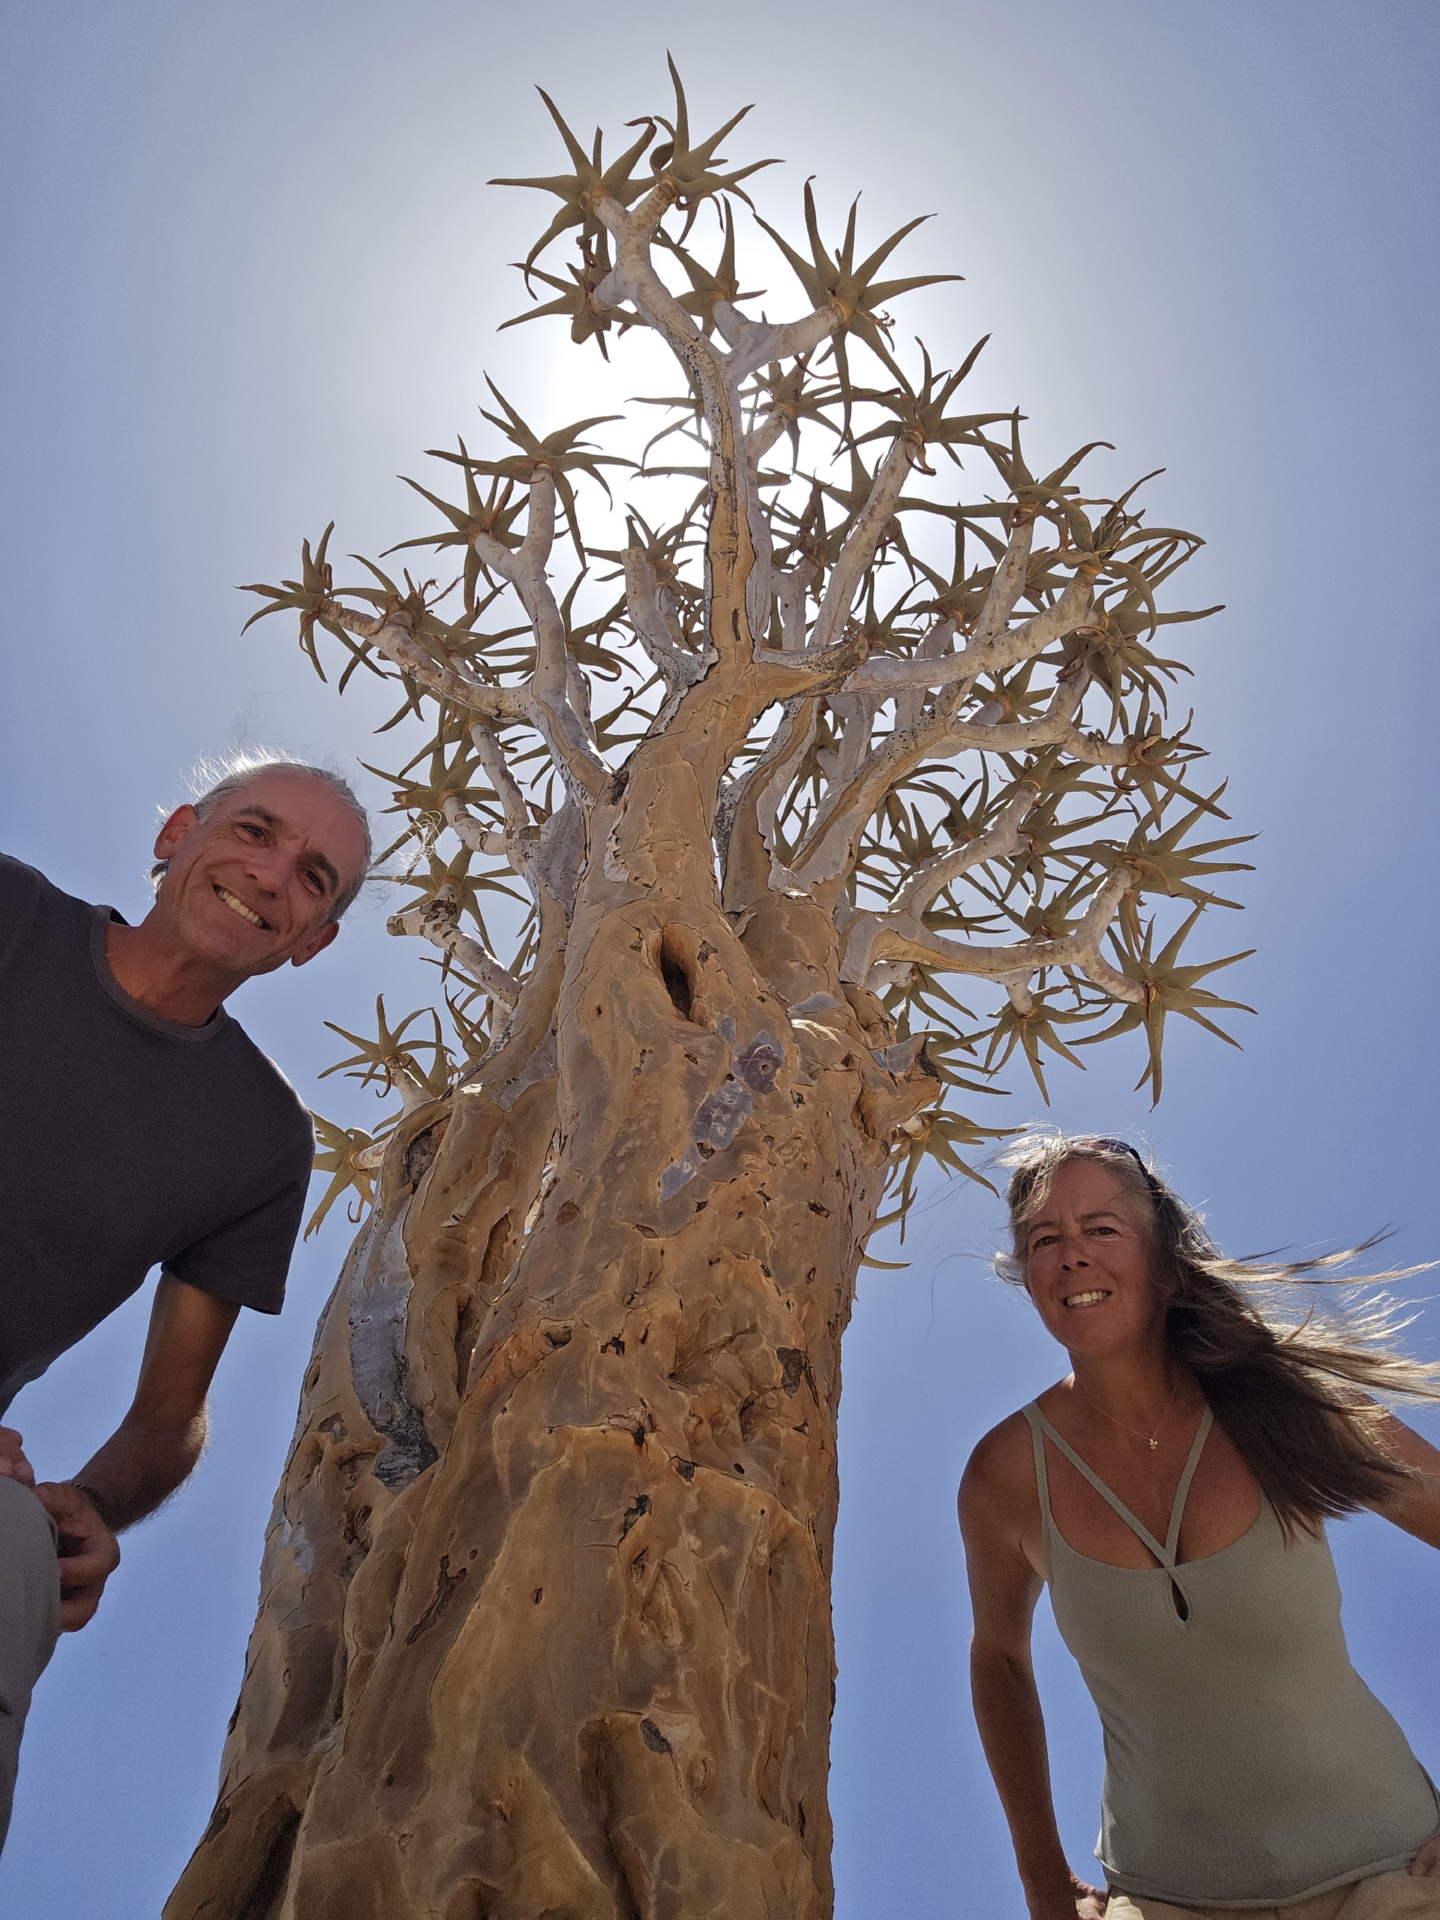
{"points": [[675, 972], [269, 1889], [420, 1154]]}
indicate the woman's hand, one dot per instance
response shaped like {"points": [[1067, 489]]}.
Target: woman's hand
{"points": [[1079, 1902], [1427, 1860]]}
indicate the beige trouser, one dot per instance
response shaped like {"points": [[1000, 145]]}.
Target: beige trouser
{"points": [[1385, 1896], [29, 1620]]}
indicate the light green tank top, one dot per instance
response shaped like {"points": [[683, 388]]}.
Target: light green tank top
{"points": [[1246, 1762]]}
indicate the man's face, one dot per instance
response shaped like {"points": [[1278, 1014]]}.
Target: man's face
{"points": [[254, 883]]}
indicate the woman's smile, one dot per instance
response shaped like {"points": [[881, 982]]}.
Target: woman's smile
{"points": [[1087, 1264]]}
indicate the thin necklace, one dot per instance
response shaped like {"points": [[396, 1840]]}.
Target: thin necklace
{"points": [[1152, 1440]]}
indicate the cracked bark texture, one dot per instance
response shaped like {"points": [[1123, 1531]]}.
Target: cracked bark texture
{"points": [[544, 1627]]}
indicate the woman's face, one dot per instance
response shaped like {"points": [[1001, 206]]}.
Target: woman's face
{"points": [[1087, 1262]]}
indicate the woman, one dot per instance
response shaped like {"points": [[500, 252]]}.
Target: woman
{"points": [[1172, 1491]]}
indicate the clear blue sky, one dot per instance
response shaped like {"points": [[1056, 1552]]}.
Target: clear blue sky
{"points": [[251, 268]]}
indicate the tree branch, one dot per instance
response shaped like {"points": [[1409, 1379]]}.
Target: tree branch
{"points": [[677, 665], [1008, 580], [855, 713], [737, 542], [934, 645], [998, 842], [783, 675], [753, 342], [792, 590], [865, 536], [890, 673], [762, 436], [546, 699], [436, 921], [745, 820], [1001, 839], [518, 823], [469, 831], [634, 278], [391, 633], [902, 937], [829, 848]]}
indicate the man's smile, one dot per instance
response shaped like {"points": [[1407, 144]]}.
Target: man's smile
{"points": [[238, 906]]}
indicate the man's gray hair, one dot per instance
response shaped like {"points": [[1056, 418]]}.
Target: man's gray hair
{"points": [[213, 779]]}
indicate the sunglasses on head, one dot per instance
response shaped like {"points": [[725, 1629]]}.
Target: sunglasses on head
{"points": [[1108, 1145]]}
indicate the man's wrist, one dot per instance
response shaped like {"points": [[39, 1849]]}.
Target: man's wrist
{"points": [[98, 1501]]}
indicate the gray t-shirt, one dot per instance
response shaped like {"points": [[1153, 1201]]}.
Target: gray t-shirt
{"points": [[126, 1141]]}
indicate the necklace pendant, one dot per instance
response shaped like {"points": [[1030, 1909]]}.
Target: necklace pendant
{"points": [[1154, 1446]]}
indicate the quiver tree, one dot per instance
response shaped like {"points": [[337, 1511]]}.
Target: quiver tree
{"points": [[825, 788]]}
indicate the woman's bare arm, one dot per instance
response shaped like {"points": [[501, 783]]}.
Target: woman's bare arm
{"points": [[1004, 1587], [1415, 1504]]}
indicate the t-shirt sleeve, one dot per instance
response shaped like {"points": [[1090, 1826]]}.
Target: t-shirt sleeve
{"points": [[21, 890], [247, 1259]]}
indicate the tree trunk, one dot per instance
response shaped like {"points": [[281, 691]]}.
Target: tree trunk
{"points": [[544, 1629]]}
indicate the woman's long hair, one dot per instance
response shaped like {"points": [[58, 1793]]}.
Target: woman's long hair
{"points": [[1293, 1394]]}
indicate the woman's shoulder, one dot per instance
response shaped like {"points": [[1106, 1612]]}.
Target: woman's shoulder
{"points": [[999, 1501], [1002, 1460]]}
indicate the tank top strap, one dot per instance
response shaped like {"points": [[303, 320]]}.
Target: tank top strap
{"points": [[1182, 1492], [1164, 1555], [1042, 1479]]}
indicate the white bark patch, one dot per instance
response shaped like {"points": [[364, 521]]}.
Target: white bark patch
{"points": [[721, 1114], [816, 1003], [615, 868], [297, 1543], [379, 1313], [539, 1066], [900, 1056]]}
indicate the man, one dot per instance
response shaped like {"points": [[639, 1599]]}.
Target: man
{"points": [[141, 1127]]}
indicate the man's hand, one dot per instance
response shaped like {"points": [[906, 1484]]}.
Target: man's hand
{"points": [[1427, 1860], [89, 1552], [13, 1464], [146, 1458]]}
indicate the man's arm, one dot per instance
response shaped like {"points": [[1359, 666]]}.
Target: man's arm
{"points": [[160, 1439], [154, 1448]]}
